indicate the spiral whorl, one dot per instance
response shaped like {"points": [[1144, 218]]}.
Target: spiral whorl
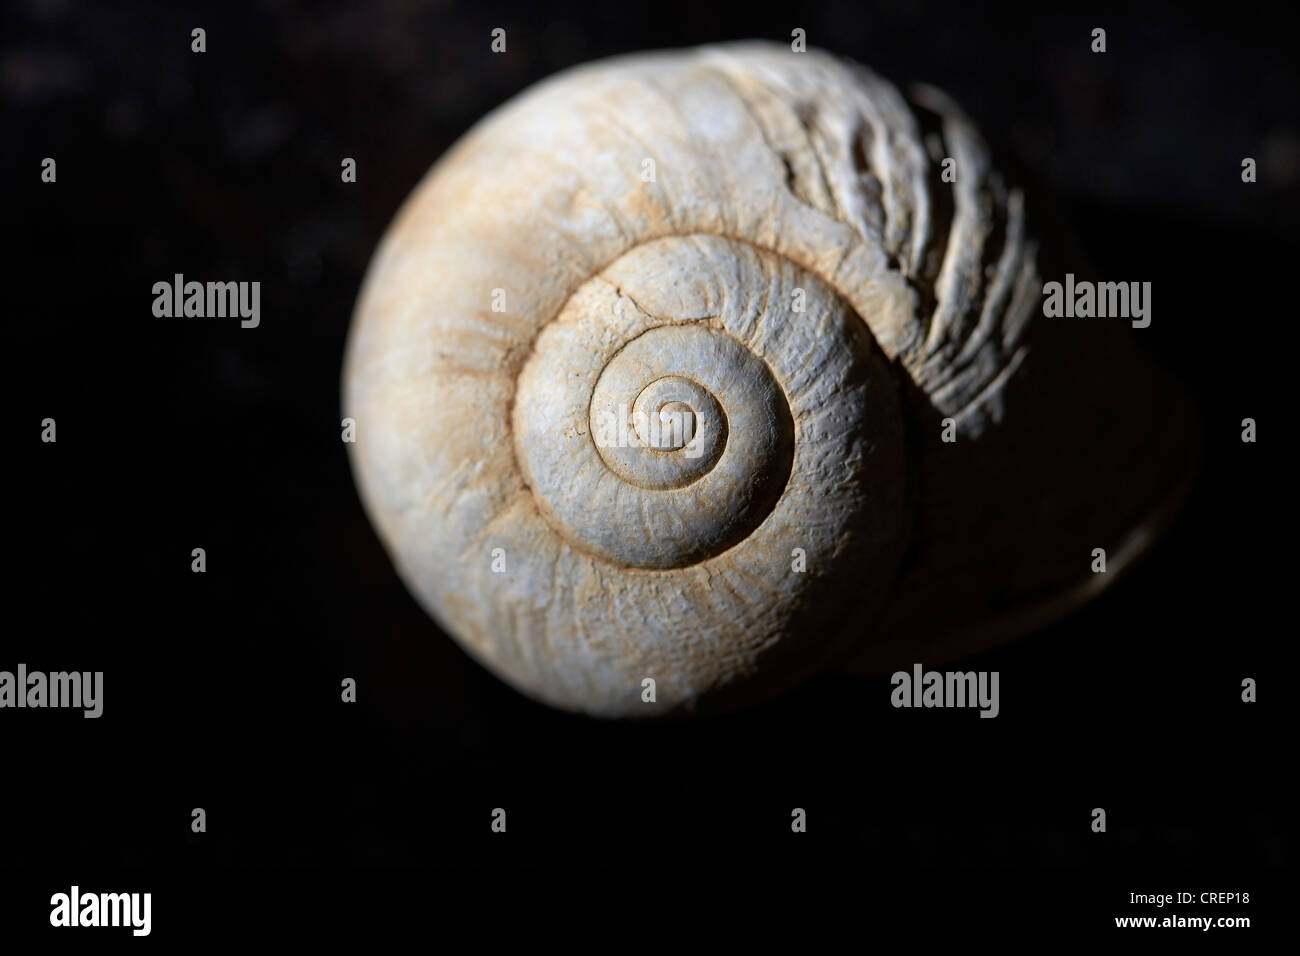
{"points": [[595, 387], [633, 338]]}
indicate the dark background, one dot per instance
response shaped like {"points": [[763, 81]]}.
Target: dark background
{"points": [[222, 689]]}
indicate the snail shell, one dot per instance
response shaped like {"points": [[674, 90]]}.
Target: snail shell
{"points": [[650, 374]]}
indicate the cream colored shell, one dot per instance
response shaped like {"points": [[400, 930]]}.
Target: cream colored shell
{"points": [[758, 240]]}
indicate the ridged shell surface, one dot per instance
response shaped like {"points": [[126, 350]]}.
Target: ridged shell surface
{"points": [[648, 377]]}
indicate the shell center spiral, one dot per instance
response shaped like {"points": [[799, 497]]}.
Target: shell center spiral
{"points": [[667, 433], [664, 421], [686, 446]]}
